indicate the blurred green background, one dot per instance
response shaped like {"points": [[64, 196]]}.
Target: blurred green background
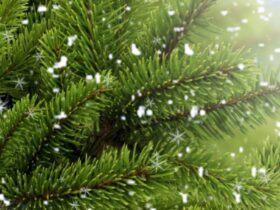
{"points": [[253, 24]]}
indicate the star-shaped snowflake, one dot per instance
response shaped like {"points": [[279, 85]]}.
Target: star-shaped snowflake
{"points": [[177, 137], [20, 83]]}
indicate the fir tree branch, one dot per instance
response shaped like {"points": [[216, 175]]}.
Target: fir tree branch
{"points": [[80, 105], [96, 180], [22, 111], [231, 102], [20, 61], [11, 13], [197, 8]]}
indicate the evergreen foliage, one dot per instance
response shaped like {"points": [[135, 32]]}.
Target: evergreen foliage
{"points": [[111, 103]]}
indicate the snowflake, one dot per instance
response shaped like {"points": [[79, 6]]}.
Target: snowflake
{"points": [[19, 83], [74, 205], [156, 163], [30, 113], [38, 56], [177, 137], [149, 103], [135, 51], [2, 105], [8, 36]]}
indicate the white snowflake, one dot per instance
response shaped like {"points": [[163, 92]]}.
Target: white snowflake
{"points": [[71, 40], [188, 50], [42, 8], [200, 171], [61, 116], [177, 137], [141, 111], [8, 36], [62, 63], [2, 105], [135, 50], [156, 163], [19, 83], [237, 197], [184, 197], [194, 111]]}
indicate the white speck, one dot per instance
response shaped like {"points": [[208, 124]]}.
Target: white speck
{"points": [[97, 78], [254, 171], [194, 111], [184, 197], [56, 126], [2, 197], [46, 203], [42, 8], [180, 155], [188, 149], [232, 155], [55, 7], [135, 50], [244, 21], [202, 112], [141, 111], [56, 90], [200, 171], [133, 98], [56, 149], [71, 40], [186, 97], [118, 61], [237, 197], [277, 50], [111, 56], [261, 10], [261, 44], [264, 83], [131, 182], [179, 29], [192, 92], [262, 171], [3, 181], [7, 202], [123, 118], [61, 116], [149, 112], [241, 66], [171, 12], [170, 102], [62, 63], [25, 22], [128, 8], [131, 193], [241, 149], [51, 70], [224, 12], [223, 101], [188, 50], [233, 29], [278, 124], [89, 77]]}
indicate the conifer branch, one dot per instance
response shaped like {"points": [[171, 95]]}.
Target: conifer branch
{"points": [[93, 179], [196, 10], [21, 111], [246, 98]]}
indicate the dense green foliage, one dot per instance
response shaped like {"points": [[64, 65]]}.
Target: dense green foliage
{"points": [[113, 102]]}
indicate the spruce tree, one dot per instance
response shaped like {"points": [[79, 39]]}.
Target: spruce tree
{"points": [[108, 104]]}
